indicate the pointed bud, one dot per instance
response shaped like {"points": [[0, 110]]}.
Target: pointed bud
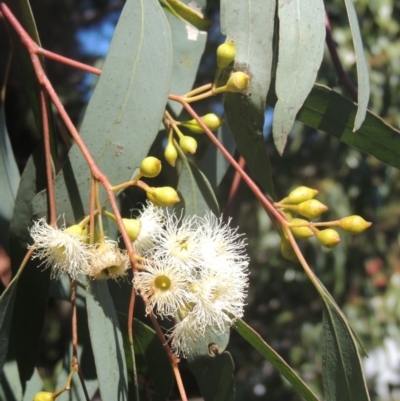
{"points": [[301, 232], [163, 196], [188, 144], [43, 396], [311, 208], [354, 224], [287, 251], [211, 120], [171, 154], [150, 167], [237, 82], [328, 238], [226, 53], [132, 227], [76, 229], [300, 194]]}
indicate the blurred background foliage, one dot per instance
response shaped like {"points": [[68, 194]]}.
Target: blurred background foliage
{"points": [[362, 273]]}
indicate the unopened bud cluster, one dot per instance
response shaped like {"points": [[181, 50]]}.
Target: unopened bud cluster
{"points": [[301, 201]]}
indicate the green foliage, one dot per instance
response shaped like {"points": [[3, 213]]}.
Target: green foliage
{"points": [[155, 52]]}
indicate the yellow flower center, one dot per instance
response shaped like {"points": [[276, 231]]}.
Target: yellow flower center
{"points": [[162, 282]]}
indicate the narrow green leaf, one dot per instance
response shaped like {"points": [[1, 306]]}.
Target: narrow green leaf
{"points": [[187, 13], [214, 165], [152, 364], [194, 189], [329, 111], [250, 24], [32, 288], [255, 340], [341, 365], [301, 48], [188, 47], [214, 375], [6, 310], [362, 67], [107, 344], [124, 113]]}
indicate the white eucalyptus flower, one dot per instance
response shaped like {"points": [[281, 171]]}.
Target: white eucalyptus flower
{"points": [[108, 261], [63, 250], [163, 285], [152, 220]]}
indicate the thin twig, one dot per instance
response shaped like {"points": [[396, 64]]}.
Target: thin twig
{"points": [[343, 78]]}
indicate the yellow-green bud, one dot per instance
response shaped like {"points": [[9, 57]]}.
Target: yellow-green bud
{"points": [[163, 196], [171, 154], [150, 167], [76, 229], [301, 232], [354, 224], [211, 120], [237, 82], [311, 208], [287, 251], [132, 227], [226, 53], [188, 144], [328, 238], [300, 194], [44, 396]]}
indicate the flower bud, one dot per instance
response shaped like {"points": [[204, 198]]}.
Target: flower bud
{"points": [[328, 238], [311, 208], [237, 82], [211, 120], [76, 229], [226, 53], [43, 396], [188, 144], [287, 251], [300, 194], [301, 232], [150, 167], [163, 196], [171, 154], [354, 224], [132, 227]]}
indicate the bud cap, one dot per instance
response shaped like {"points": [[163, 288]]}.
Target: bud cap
{"points": [[188, 144], [301, 232], [354, 224], [300, 194], [328, 238], [171, 154], [226, 53], [311, 208], [211, 120], [163, 196], [150, 167], [237, 82]]}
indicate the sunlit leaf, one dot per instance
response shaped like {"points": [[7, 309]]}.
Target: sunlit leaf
{"points": [[250, 24], [107, 344], [362, 67], [214, 375], [124, 114], [301, 48], [255, 340]]}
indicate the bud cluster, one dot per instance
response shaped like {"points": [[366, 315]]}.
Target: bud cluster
{"points": [[301, 201]]}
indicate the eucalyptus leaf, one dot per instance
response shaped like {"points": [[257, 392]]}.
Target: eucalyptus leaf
{"points": [[106, 340], [265, 350], [33, 283], [362, 67], [331, 112], [188, 47], [194, 189], [250, 23], [214, 375], [341, 364], [124, 114], [301, 49], [152, 363]]}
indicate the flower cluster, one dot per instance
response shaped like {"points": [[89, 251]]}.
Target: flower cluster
{"points": [[195, 271], [66, 250]]}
